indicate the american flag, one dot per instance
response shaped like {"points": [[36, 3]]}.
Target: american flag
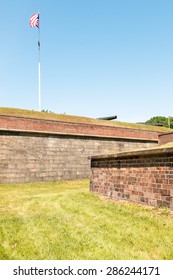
{"points": [[34, 20]]}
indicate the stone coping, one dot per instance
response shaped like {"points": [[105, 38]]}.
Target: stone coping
{"points": [[165, 133], [165, 149], [36, 132]]}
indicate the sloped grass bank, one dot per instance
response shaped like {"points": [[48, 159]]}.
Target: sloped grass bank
{"points": [[75, 119], [64, 221]]}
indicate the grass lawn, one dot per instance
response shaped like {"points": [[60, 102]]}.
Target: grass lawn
{"points": [[64, 221]]}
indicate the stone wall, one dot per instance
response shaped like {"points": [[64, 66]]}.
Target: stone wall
{"points": [[27, 156], [143, 177]]}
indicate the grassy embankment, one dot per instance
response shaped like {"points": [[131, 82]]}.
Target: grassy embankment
{"points": [[62, 220], [76, 119]]}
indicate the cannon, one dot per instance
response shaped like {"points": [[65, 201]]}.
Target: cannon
{"points": [[153, 124], [108, 118]]}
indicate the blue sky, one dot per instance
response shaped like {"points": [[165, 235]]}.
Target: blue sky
{"points": [[98, 57]]}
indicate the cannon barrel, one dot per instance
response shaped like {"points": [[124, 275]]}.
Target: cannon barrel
{"points": [[108, 118], [153, 124]]}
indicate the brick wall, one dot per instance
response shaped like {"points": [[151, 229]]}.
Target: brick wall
{"points": [[143, 177], [38, 125], [165, 138]]}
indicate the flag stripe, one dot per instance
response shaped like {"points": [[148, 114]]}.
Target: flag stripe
{"points": [[34, 20]]}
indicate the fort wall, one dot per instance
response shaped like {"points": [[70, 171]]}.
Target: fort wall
{"points": [[45, 150], [165, 138], [143, 176], [72, 128]]}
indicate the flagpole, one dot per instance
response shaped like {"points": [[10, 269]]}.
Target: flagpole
{"points": [[39, 73]]}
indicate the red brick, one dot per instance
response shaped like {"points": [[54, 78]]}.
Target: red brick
{"points": [[146, 185]]}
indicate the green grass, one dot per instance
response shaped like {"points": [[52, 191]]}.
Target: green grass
{"points": [[64, 221], [76, 119]]}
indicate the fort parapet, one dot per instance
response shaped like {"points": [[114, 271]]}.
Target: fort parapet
{"points": [[46, 147], [143, 176]]}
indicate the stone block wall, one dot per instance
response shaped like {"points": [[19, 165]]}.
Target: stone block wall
{"points": [[144, 177], [31, 157]]}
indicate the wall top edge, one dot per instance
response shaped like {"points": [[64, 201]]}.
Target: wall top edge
{"points": [[85, 124], [165, 133], [137, 153], [36, 132]]}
